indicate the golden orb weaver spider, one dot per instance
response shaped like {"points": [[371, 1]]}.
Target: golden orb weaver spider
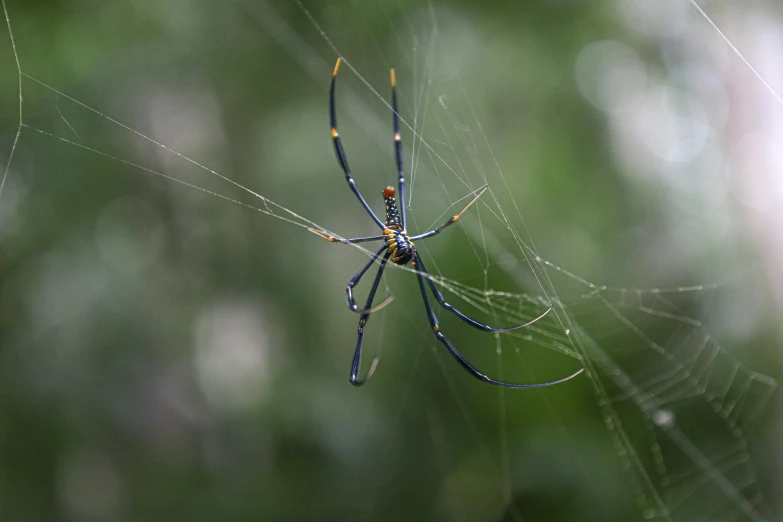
{"points": [[398, 246]]}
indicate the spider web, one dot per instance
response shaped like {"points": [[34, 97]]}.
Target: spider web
{"points": [[678, 407]]}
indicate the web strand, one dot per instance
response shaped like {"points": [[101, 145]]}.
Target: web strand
{"points": [[736, 51], [21, 99]]}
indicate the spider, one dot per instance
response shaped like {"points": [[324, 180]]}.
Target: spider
{"points": [[399, 247]]}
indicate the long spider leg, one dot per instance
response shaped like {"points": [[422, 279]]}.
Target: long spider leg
{"points": [[352, 306], [462, 361], [472, 322], [357, 354], [333, 239], [398, 149], [338, 149], [454, 219]]}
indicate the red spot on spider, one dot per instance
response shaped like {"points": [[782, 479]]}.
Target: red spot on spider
{"points": [[388, 192]]}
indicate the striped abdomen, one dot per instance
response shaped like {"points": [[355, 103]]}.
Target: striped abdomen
{"points": [[392, 212], [397, 240]]}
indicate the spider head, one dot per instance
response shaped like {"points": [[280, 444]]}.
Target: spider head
{"points": [[403, 254], [400, 246]]}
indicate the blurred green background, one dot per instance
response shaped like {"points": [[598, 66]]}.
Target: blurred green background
{"points": [[166, 354]]}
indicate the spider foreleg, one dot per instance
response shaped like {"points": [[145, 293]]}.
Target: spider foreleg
{"points": [[454, 218]]}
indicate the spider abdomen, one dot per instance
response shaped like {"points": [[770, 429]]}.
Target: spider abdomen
{"points": [[392, 213], [397, 241]]}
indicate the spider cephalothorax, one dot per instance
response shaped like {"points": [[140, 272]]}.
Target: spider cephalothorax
{"points": [[398, 247], [397, 240]]}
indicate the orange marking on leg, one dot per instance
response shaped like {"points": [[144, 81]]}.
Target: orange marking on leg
{"points": [[393, 78], [388, 192], [334, 133], [331, 239], [337, 67], [397, 136], [478, 195]]}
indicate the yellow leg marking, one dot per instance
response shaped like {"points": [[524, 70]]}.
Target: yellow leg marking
{"points": [[435, 329], [373, 365], [321, 234], [478, 195], [393, 78], [337, 67], [334, 132], [372, 310]]}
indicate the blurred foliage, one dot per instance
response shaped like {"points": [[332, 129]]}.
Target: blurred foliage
{"points": [[169, 355]]}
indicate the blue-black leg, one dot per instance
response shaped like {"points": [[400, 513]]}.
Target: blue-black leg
{"points": [[352, 306], [338, 149], [461, 360], [333, 239], [472, 322], [357, 354], [398, 150]]}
